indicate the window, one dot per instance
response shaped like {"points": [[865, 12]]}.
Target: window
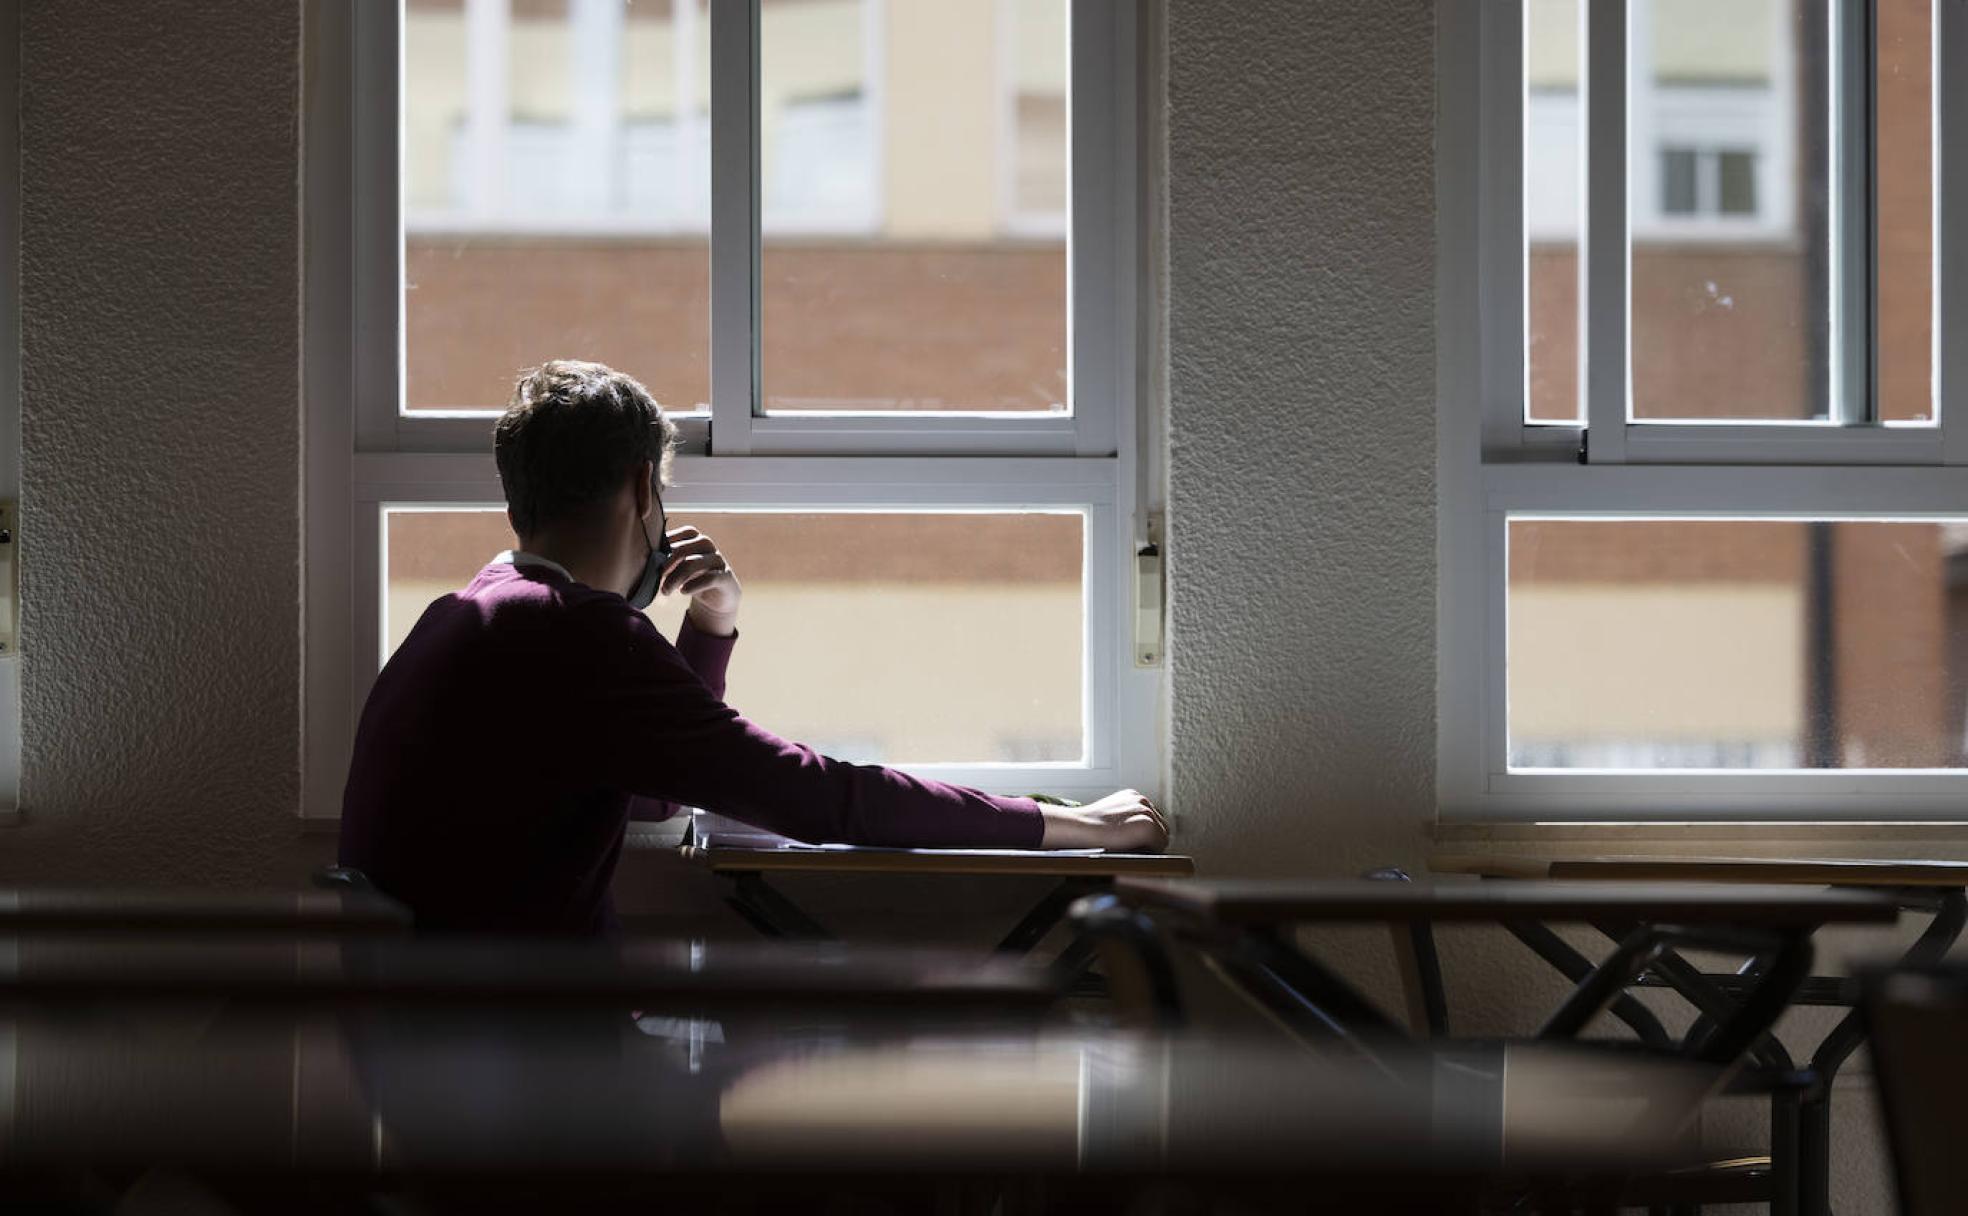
{"points": [[866, 254], [1702, 528]]}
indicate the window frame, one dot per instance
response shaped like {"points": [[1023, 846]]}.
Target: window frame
{"points": [[1493, 465], [363, 455]]}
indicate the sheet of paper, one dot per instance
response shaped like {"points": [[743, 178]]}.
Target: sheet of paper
{"points": [[798, 847]]}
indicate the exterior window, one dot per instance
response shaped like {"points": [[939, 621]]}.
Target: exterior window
{"points": [[853, 619], [1737, 644], [1707, 181], [1680, 188], [1701, 458], [889, 246]]}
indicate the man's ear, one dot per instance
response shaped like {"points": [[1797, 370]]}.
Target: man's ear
{"points": [[645, 494]]}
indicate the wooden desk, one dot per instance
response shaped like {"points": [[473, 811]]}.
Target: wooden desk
{"points": [[1939, 888], [769, 911], [92, 910], [1268, 902], [1820, 872], [491, 974], [1243, 925], [938, 861], [454, 1116]]}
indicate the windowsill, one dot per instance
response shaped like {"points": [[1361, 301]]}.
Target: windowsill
{"points": [[1935, 840]]}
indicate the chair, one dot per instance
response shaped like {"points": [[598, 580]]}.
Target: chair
{"points": [[1918, 1022]]}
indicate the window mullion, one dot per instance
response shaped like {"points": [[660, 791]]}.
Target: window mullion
{"points": [[1854, 399], [734, 224], [1950, 205], [1606, 265]]}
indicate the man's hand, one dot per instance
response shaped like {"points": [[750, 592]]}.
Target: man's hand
{"points": [[699, 571], [1122, 822]]}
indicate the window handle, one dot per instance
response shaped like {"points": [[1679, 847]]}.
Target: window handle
{"points": [[1149, 616]]}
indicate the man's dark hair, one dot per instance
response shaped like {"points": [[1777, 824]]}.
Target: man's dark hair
{"points": [[572, 433]]}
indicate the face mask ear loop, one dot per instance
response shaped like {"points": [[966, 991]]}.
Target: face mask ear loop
{"points": [[643, 593]]}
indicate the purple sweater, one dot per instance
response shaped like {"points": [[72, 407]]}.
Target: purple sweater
{"points": [[503, 743]]}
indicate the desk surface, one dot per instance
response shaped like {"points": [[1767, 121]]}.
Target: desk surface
{"points": [[89, 909], [1285, 901], [1853, 872], [595, 1104], [939, 861], [491, 973]]}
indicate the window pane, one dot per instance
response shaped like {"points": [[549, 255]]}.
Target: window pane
{"points": [[914, 167], [1730, 279], [1678, 194], [876, 637], [1904, 151], [1553, 201], [556, 164], [1649, 644], [1737, 174]]}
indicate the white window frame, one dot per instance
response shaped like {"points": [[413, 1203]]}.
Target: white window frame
{"points": [[364, 455], [1493, 465]]}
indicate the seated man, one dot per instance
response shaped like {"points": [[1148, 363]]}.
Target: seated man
{"points": [[503, 742]]}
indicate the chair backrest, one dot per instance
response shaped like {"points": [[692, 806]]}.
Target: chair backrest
{"points": [[1919, 1027]]}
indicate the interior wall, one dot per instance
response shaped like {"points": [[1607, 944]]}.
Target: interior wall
{"points": [[160, 358], [1301, 331]]}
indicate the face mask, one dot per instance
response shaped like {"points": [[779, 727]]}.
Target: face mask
{"points": [[643, 593]]}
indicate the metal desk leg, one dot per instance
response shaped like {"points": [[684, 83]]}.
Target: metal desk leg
{"points": [[1575, 967], [1302, 992], [1048, 912], [1759, 1009], [770, 912], [1814, 1115], [1602, 985]]}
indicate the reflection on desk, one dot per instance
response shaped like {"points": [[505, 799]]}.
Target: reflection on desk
{"points": [[560, 1106]]}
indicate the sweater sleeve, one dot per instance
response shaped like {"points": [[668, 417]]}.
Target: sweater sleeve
{"points": [[651, 726], [707, 656]]}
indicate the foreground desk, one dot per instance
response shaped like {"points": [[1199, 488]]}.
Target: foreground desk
{"points": [[332, 912], [749, 872], [586, 1117], [1938, 888], [1245, 924], [137, 971]]}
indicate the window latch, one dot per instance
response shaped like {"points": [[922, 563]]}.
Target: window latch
{"points": [[1149, 615], [9, 579]]}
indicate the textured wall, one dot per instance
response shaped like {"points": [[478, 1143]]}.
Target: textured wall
{"points": [[160, 432], [1302, 431]]}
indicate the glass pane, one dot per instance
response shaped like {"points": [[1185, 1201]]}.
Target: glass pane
{"points": [[556, 164], [1730, 272], [1652, 644], [1678, 196], [914, 168], [1554, 162], [1904, 151], [872, 637], [1737, 174]]}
